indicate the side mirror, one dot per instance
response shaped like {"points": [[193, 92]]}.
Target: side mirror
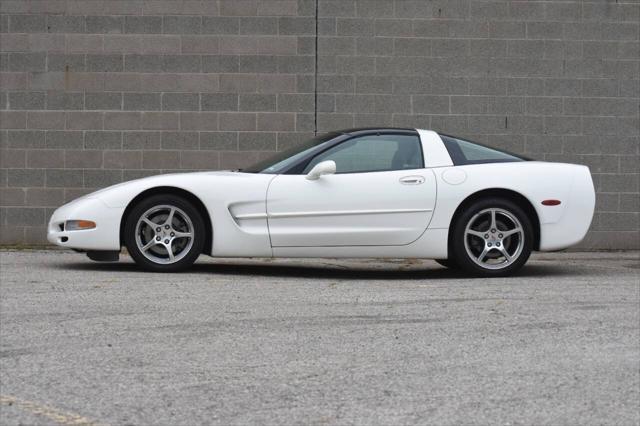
{"points": [[322, 168]]}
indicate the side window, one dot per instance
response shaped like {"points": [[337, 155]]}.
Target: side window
{"points": [[374, 153], [465, 152]]}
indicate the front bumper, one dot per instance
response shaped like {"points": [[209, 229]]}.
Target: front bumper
{"points": [[105, 236]]}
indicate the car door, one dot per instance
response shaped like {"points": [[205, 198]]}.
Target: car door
{"points": [[380, 195]]}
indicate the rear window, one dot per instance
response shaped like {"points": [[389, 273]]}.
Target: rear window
{"points": [[465, 152]]}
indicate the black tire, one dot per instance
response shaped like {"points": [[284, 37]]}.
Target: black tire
{"points": [[448, 263], [468, 249], [157, 258]]}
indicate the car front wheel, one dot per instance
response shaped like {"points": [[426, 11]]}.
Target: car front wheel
{"points": [[492, 238], [164, 233]]}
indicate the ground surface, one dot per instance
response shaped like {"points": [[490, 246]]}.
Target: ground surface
{"points": [[318, 342]]}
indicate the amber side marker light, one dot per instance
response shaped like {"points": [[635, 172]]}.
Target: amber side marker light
{"points": [[551, 202], [76, 225]]}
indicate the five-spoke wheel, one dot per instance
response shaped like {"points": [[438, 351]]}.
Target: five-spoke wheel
{"points": [[164, 233], [493, 237]]}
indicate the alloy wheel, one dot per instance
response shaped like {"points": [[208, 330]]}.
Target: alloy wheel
{"points": [[164, 234], [494, 238]]}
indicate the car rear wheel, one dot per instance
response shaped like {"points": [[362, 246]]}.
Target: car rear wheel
{"points": [[492, 238], [164, 233]]}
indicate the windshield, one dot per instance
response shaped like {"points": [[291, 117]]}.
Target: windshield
{"points": [[281, 161]]}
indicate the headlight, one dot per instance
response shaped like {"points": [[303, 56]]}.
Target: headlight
{"points": [[76, 225]]}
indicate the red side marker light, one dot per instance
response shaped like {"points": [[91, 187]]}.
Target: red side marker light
{"points": [[551, 202]]}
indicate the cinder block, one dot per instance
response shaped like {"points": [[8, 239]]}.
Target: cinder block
{"points": [[305, 122], [238, 45], [276, 121], [181, 63], [122, 160], [180, 101], [141, 140], [431, 104], [544, 106], [296, 64], [64, 139], [158, 82], [258, 26], [101, 178], [33, 62], [58, 178], [13, 81], [277, 7], [198, 83], [239, 121], [412, 47], [123, 120], [219, 102], [267, 83], [200, 44], [84, 43], [13, 120], [374, 84], [85, 159], [198, 121], [199, 160], [65, 100], [12, 197], [25, 216], [238, 83], [389, 28], [44, 197], [219, 141], [103, 140], [345, 84], [50, 81], [296, 26], [220, 64], [160, 120], [23, 178], [181, 24], [46, 120], [238, 8], [13, 158], [103, 101], [28, 23], [334, 8], [336, 46], [296, 102], [180, 140], [143, 24], [258, 64], [47, 42], [84, 120], [157, 44], [25, 138], [14, 42], [257, 102], [105, 24], [104, 63], [220, 25], [257, 141], [65, 24], [141, 102], [161, 159]]}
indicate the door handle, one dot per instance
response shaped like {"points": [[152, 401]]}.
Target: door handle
{"points": [[412, 180]]}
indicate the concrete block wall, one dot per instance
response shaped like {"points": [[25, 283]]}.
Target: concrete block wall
{"points": [[94, 92]]}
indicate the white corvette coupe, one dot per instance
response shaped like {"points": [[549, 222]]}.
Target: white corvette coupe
{"points": [[387, 193]]}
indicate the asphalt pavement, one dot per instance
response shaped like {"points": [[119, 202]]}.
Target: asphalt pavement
{"points": [[318, 342]]}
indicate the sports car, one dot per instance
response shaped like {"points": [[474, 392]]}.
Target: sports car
{"points": [[375, 193]]}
